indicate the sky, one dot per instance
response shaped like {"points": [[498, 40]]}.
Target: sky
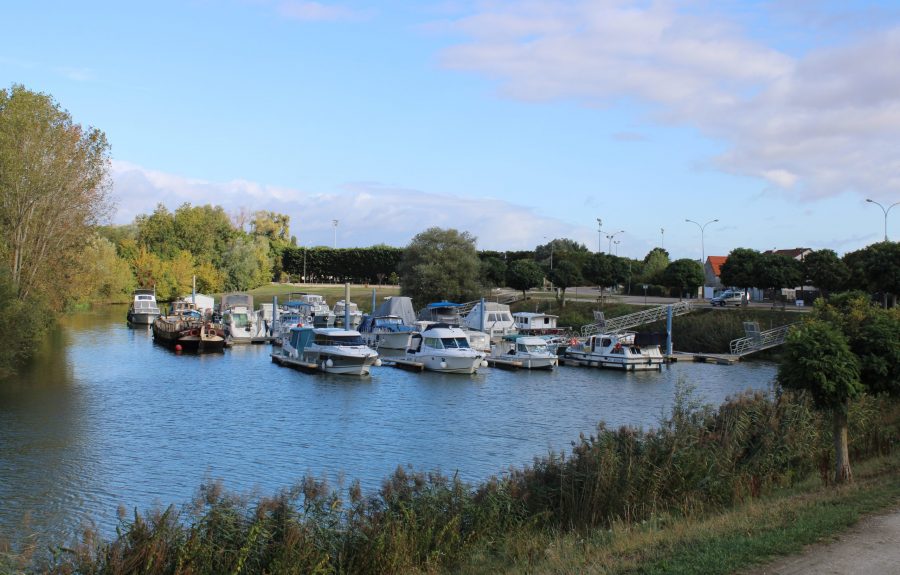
{"points": [[517, 122]]}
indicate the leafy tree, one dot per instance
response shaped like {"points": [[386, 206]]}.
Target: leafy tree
{"points": [[247, 264], [440, 264], [493, 272], [826, 271], [99, 273], [817, 358], [53, 190], [524, 275], [157, 232], [655, 263], [684, 274], [21, 325], [775, 271], [600, 270], [740, 269], [565, 275], [877, 268]]}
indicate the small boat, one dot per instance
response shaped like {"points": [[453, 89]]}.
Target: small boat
{"points": [[492, 318], [339, 313], [531, 323], [285, 321], [444, 348], [188, 330], [242, 324], [143, 309], [313, 305], [386, 333], [532, 352], [328, 349], [615, 350]]}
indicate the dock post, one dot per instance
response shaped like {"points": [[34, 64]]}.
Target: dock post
{"points": [[669, 330], [347, 305], [373, 302], [483, 323]]}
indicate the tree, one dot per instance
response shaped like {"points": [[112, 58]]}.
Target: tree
{"points": [[775, 271], [655, 263], [877, 267], [524, 275], [685, 274], [493, 272], [826, 271], [565, 275], [99, 273], [817, 358], [740, 269], [440, 264], [53, 189]]}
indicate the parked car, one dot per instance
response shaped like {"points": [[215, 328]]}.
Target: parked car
{"points": [[728, 297]]}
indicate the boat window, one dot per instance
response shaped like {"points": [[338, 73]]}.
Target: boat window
{"points": [[606, 342], [505, 317], [346, 340], [541, 348], [240, 319], [636, 350], [618, 350], [455, 342], [522, 348], [492, 317], [434, 342]]}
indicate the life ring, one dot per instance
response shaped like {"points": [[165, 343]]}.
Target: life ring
{"points": [[194, 332], [573, 341]]}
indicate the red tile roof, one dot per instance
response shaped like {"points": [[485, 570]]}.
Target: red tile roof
{"points": [[715, 263]]}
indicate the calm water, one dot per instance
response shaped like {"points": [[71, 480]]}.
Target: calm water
{"points": [[107, 418]]}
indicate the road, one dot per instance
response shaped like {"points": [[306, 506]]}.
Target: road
{"points": [[872, 547], [592, 294]]}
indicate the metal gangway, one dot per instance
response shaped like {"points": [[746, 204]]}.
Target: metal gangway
{"points": [[623, 322], [757, 340], [504, 296]]}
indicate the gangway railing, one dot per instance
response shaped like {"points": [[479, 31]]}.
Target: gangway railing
{"points": [[756, 340], [504, 297], [631, 320]]}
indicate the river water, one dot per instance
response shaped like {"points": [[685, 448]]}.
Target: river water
{"points": [[106, 418]]}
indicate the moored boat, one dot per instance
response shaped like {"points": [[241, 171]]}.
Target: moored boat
{"points": [[188, 330], [444, 348], [332, 350], [532, 352], [617, 351], [143, 309]]}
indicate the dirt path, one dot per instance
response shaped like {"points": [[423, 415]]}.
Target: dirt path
{"points": [[870, 548]]}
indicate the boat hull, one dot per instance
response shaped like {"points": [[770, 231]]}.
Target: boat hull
{"points": [[137, 318], [641, 363], [448, 364]]}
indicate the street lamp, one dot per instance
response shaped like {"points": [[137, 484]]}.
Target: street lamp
{"points": [[599, 235], [334, 224], [617, 242], [885, 214], [662, 238], [610, 238], [702, 247]]}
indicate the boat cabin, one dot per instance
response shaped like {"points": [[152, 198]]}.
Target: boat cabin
{"points": [[535, 323]]}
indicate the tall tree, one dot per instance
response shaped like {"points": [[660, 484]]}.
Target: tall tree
{"points": [[565, 275], [655, 263], [740, 269], [53, 188], [826, 271], [775, 271], [524, 275], [440, 264], [684, 274], [817, 358], [877, 268]]}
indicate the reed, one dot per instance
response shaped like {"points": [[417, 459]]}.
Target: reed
{"points": [[698, 460]]}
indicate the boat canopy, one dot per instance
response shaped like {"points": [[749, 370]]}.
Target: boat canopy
{"points": [[400, 306]]}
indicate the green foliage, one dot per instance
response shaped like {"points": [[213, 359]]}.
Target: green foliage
{"points": [[493, 272], [22, 324], [440, 264], [741, 268], [826, 271], [655, 263], [100, 274], [777, 271], [524, 275], [817, 358], [685, 274], [246, 263], [566, 274], [372, 265], [53, 190], [877, 267]]}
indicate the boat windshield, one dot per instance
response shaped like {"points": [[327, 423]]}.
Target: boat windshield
{"points": [[454, 342], [347, 340], [240, 319], [534, 348]]}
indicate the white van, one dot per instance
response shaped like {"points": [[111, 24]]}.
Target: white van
{"points": [[728, 297]]}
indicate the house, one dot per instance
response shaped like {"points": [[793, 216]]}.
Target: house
{"points": [[793, 253], [712, 269]]}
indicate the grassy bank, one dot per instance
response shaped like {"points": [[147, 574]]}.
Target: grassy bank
{"points": [[741, 481]]}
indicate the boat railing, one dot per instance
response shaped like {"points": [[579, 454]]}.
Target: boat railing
{"points": [[631, 320]]}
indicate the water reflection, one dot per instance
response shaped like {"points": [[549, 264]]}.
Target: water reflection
{"points": [[105, 417]]}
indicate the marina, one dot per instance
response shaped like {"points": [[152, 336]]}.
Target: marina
{"points": [[105, 418]]}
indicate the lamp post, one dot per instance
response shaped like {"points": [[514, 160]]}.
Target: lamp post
{"points": [[610, 238], [885, 213], [702, 230], [617, 242], [334, 224], [551, 252], [662, 238], [599, 235]]}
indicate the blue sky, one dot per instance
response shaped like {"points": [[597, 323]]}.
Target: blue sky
{"points": [[514, 121]]}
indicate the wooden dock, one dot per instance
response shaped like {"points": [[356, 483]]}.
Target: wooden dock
{"points": [[717, 358], [503, 363], [294, 363], [404, 364]]}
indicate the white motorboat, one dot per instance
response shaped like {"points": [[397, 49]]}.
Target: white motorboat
{"points": [[287, 319], [492, 318], [532, 352], [617, 351], [322, 315], [387, 333], [143, 309], [444, 348], [242, 324], [339, 313], [329, 349]]}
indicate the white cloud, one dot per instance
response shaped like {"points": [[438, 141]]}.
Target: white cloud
{"points": [[369, 213], [815, 126]]}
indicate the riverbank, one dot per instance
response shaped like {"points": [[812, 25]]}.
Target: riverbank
{"points": [[709, 491]]}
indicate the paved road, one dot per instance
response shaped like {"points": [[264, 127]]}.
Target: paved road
{"points": [[591, 294], [872, 547]]}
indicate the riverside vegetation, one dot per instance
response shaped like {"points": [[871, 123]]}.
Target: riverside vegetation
{"points": [[697, 464]]}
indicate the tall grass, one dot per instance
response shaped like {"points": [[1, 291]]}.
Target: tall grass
{"points": [[698, 459]]}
